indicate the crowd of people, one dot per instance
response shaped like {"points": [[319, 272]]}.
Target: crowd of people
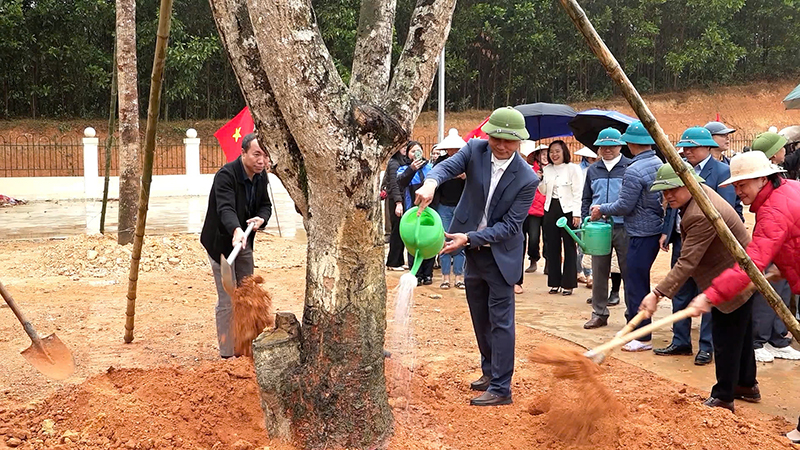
{"points": [[649, 210]]}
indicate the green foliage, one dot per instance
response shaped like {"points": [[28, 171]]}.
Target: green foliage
{"points": [[57, 54]]}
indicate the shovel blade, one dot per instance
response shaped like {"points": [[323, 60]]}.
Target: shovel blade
{"points": [[596, 358], [51, 357], [228, 276]]}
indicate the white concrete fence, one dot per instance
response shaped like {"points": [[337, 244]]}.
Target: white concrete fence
{"points": [[89, 187]]}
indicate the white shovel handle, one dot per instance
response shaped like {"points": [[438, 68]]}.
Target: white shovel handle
{"points": [[238, 247]]}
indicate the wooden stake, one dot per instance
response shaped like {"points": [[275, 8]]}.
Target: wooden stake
{"points": [[616, 73], [164, 19]]}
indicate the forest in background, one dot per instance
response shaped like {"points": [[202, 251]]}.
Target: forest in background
{"points": [[57, 55]]}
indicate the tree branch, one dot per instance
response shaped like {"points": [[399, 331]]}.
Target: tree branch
{"points": [[309, 91], [413, 76], [273, 133], [372, 57]]}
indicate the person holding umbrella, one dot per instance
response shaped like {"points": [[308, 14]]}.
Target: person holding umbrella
{"points": [[588, 157], [643, 213], [562, 184]]}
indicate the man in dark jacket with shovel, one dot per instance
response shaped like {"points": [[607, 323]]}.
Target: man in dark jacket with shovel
{"points": [[703, 257], [238, 197]]}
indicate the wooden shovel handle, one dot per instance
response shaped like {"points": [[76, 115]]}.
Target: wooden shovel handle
{"points": [[637, 319], [20, 316], [622, 340]]}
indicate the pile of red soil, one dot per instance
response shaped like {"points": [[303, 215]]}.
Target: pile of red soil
{"points": [[252, 312], [213, 405]]}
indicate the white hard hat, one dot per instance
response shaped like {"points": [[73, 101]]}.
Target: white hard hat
{"points": [[750, 165], [453, 140], [587, 152]]}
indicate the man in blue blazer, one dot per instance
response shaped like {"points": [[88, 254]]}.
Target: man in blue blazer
{"points": [[498, 192], [696, 143]]}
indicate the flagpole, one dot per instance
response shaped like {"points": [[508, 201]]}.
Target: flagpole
{"points": [[440, 135]]}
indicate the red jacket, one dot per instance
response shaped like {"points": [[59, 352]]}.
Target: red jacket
{"points": [[776, 239], [537, 207]]}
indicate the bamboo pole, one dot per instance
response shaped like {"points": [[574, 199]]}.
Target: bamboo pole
{"points": [[616, 73], [112, 113], [164, 19]]}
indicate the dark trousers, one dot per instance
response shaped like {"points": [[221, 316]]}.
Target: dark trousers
{"points": [[642, 253], [767, 326], [734, 358], [396, 246], [567, 277], [491, 306], [682, 330], [531, 229], [601, 268]]}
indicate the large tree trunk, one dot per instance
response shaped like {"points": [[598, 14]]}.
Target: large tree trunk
{"points": [[323, 383], [130, 166]]}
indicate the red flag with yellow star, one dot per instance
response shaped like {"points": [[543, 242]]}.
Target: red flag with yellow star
{"points": [[231, 134], [477, 133]]}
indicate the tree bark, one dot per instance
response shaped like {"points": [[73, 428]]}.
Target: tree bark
{"points": [[130, 166], [329, 142]]}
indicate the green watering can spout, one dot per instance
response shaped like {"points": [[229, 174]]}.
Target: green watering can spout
{"points": [[596, 236], [562, 222], [423, 235]]}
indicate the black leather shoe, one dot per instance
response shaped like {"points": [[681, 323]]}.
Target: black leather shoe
{"points": [[748, 394], [717, 403], [613, 299], [703, 357], [595, 322], [481, 384], [673, 350], [489, 399]]}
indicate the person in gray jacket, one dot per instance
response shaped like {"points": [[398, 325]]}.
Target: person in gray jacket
{"points": [[643, 213]]}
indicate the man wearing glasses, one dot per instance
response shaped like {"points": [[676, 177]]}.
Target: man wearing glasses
{"points": [[696, 143], [238, 197]]}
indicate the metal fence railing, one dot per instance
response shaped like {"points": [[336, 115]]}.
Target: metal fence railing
{"points": [[29, 156]]}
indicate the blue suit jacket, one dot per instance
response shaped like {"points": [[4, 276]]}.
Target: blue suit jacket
{"points": [[714, 172], [508, 208]]}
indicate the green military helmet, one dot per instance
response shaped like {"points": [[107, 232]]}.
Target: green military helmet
{"points": [[769, 143], [506, 123], [637, 134], [610, 137], [696, 137], [666, 178]]}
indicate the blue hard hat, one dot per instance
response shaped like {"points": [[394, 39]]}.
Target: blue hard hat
{"points": [[696, 137], [637, 134], [609, 137]]}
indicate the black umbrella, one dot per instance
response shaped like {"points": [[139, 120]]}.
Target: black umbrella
{"points": [[545, 120], [587, 125]]}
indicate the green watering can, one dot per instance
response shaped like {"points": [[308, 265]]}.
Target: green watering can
{"points": [[596, 236], [423, 235]]}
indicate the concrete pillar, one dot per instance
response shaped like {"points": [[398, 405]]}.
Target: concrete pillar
{"points": [[192, 143], [91, 177]]}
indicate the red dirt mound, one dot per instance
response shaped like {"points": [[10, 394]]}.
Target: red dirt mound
{"points": [[213, 405], [252, 312]]}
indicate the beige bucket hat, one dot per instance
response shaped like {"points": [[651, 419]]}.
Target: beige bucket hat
{"points": [[750, 165]]}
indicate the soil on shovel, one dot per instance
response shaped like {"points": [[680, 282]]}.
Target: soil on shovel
{"points": [[252, 312]]}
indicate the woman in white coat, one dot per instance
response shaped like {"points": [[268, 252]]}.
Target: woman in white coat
{"points": [[562, 184]]}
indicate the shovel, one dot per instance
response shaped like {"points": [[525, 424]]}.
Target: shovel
{"points": [[226, 264], [48, 354]]}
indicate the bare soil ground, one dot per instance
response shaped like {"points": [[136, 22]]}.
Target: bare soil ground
{"points": [[169, 390]]}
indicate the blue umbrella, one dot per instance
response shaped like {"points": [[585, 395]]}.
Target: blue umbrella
{"points": [[792, 101], [545, 120]]}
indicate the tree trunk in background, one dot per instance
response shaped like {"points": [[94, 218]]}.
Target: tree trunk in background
{"points": [[130, 166], [323, 384]]}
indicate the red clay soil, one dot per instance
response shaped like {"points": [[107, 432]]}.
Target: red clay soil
{"points": [[252, 313]]}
